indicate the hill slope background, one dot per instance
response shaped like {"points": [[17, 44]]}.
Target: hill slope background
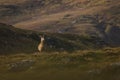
{"points": [[14, 40], [82, 17]]}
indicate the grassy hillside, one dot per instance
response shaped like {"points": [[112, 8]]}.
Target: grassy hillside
{"points": [[82, 39], [14, 40], [85, 65]]}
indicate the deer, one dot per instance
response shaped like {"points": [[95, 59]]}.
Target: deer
{"points": [[41, 44]]}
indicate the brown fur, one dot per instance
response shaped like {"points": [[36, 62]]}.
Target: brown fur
{"points": [[41, 44]]}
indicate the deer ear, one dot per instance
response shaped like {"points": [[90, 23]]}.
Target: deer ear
{"points": [[40, 36], [43, 36]]}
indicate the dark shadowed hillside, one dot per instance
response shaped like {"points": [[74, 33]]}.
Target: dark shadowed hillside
{"points": [[13, 40]]}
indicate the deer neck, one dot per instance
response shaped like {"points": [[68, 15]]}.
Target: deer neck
{"points": [[41, 42]]}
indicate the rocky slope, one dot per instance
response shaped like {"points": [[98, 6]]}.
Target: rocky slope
{"points": [[83, 17]]}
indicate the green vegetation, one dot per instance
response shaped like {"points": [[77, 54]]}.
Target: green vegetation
{"points": [[93, 65]]}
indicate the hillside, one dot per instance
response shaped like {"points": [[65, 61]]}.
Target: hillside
{"points": [[68, 56], [83, 17], [14, 40], [81, 39], [85, 65]]}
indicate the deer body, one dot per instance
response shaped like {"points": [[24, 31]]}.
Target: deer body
{"points": [[41, 44]]}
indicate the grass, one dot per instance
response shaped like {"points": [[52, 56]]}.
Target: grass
{"points": [[82, 65]]}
